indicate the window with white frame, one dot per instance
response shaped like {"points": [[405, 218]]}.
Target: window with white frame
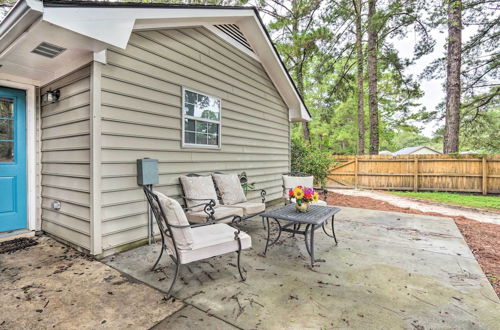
{"points": [[201, 119]]}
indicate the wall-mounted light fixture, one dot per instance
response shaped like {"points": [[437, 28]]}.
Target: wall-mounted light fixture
{"points": [[51, 96]]}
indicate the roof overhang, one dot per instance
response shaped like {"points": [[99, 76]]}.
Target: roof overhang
{"points": [[87, 28]]}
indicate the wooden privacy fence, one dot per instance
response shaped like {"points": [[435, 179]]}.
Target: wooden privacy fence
{"points": [[462, 173]]}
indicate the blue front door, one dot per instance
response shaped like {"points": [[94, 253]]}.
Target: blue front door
{"points": [[12, 159]]}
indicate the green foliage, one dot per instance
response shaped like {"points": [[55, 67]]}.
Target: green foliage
{"points": [[312, 160], [480, 124], [490, 202]]}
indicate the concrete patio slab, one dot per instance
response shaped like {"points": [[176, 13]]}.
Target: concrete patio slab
{"points": [[51, 286], [190, 317], [390, 270]]}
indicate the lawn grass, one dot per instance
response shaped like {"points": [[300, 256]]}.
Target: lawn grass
{"points": [[487, 202]]}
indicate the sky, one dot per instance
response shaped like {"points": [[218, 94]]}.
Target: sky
{"points": [[434, 92], [433, 89]]}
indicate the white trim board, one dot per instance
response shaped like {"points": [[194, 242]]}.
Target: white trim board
{"points": [[31, 150]]}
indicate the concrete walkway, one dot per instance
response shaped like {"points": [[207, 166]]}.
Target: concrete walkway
{"points": [[389, 271], [425, 206]]}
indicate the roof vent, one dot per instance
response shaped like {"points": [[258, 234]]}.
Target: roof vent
{"points": [[48, 50], [233, 31]]}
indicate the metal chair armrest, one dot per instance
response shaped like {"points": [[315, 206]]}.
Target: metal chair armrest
{"points": [[236, 219], [263, 193]]}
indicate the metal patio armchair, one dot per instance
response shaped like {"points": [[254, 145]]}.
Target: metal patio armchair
{"points": [[187, 243], [295, 178]]}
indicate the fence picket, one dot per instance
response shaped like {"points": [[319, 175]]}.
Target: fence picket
{"points": [[460, 173]]}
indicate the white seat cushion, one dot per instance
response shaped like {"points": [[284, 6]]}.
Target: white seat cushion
{"points": [[249, 207], [220, 212], [320, 202], [230, 188], [175, 216], [213, 240], [198, 187]]}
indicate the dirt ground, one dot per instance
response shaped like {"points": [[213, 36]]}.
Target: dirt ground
{"points": [[46, 285], [483, 238]]}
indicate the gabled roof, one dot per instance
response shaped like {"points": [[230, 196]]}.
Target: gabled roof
{"points": [[410, 150], [111, 23]]}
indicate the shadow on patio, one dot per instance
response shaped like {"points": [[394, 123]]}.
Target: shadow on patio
{"points": [[390, 270]]}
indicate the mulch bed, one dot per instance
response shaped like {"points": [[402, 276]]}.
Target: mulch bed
{"points": [[16, 244], [483, 238]]}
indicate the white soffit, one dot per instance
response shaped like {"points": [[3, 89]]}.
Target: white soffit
{"points": [[114, 25], [19, 59]]}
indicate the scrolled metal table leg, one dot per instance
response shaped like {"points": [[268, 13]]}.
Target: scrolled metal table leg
{"points": [[312, 246], [279, 233], [333, 229], [268, 235], [305, 239]]}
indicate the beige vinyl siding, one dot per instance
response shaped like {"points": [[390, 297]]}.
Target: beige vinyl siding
{"points": [[65, 159], [141, 117]]}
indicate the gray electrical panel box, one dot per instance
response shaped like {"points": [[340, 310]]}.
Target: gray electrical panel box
{"points": [[147, 171]]}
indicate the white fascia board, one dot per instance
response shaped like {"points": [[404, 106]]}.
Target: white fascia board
{"points": [[114, 25], [18, 20]]}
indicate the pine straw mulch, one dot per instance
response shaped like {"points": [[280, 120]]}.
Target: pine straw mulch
{"points": [[483, 238]]}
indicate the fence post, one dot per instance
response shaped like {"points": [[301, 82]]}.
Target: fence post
{"points": [[485, 176], [415, 174], [356, 168]]}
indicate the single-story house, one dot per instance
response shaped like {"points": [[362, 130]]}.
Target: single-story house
{"points": [[420, 150], [87, 88]]}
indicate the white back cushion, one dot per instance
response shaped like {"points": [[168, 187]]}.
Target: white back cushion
{"points": [[199, 187], [290, 182], [230, 188], [176, 216]]}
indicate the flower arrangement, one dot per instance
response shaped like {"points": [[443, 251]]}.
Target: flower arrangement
{"points": [[302, 197]]}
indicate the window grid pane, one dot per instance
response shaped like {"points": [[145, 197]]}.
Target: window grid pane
{"points": [[6, 152], [201, 127]]}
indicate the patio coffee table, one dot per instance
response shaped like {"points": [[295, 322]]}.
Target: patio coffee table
{"points": [[316, 217]]}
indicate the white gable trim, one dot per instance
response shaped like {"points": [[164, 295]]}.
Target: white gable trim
{"points": [[231, 41]]}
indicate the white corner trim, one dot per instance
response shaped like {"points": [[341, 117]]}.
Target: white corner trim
{"points": [[100, 56], [31, 151], [95, 160], [231, 41]]}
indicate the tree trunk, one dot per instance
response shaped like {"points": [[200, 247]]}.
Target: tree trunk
{"points": [[372, 78], [361, 95], [454, 58]]}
